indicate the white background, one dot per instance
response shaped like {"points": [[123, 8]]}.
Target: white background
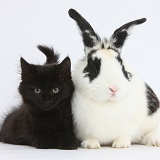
{"points": [[26, 23]]}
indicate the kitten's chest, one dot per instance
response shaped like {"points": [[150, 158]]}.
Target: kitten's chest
{"points": [[50, 121]]}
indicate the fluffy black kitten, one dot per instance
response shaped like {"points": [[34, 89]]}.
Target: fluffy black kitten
{"points": [[44, 119]]}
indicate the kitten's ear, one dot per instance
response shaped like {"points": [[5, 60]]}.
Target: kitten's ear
{"points": [[64, 69], [28, 70]]}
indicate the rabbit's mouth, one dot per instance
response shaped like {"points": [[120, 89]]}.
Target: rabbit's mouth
{"points": [[113, 95], [113, 91]]}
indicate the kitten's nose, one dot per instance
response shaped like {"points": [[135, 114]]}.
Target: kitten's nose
{"points": [[47, 102]]}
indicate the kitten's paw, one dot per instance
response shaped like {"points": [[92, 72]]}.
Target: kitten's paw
{"points": [[69, 143], [121, 143], [151, 139], [90, 144]]}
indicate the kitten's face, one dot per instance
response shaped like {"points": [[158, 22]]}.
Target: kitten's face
{"points": [[46, 86]]}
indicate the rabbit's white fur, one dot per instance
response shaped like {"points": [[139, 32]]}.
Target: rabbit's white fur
{"points": [[111, 103], [101, 118]]}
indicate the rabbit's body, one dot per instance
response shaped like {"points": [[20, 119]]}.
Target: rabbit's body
{"points": [[111, 104], [110, 120]]}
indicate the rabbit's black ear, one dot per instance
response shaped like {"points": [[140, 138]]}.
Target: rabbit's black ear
{"points": [[90, 38], [120, 35]]}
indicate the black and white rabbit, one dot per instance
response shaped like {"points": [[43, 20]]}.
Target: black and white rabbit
{"points": [[111, 103]]}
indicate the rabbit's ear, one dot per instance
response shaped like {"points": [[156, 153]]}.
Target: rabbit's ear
{"points": [[90, 38], [120, 35]]}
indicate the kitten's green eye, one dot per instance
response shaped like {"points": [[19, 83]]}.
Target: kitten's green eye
{"points": [[55, 90], [37, 90]]}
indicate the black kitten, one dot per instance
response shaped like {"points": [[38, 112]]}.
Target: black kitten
{"points": [[44, 119]]}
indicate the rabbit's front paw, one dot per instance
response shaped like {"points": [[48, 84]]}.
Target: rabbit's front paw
{"points": [[90, 144], [121, 143], [152, 139]]}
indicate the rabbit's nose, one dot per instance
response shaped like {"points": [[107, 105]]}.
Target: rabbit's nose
{"points": [[113, 89]]}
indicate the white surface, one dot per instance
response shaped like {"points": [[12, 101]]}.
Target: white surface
{"points": [[25, 24], [8, 152]]}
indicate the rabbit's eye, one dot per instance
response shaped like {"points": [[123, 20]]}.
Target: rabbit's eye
{"points": [[37, 90], [55, 90]]}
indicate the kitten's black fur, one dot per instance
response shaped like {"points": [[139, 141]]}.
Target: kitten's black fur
{"points": [[44, 118]]}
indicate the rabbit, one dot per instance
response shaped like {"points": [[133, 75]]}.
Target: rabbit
{"points": [[111, 104]]}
